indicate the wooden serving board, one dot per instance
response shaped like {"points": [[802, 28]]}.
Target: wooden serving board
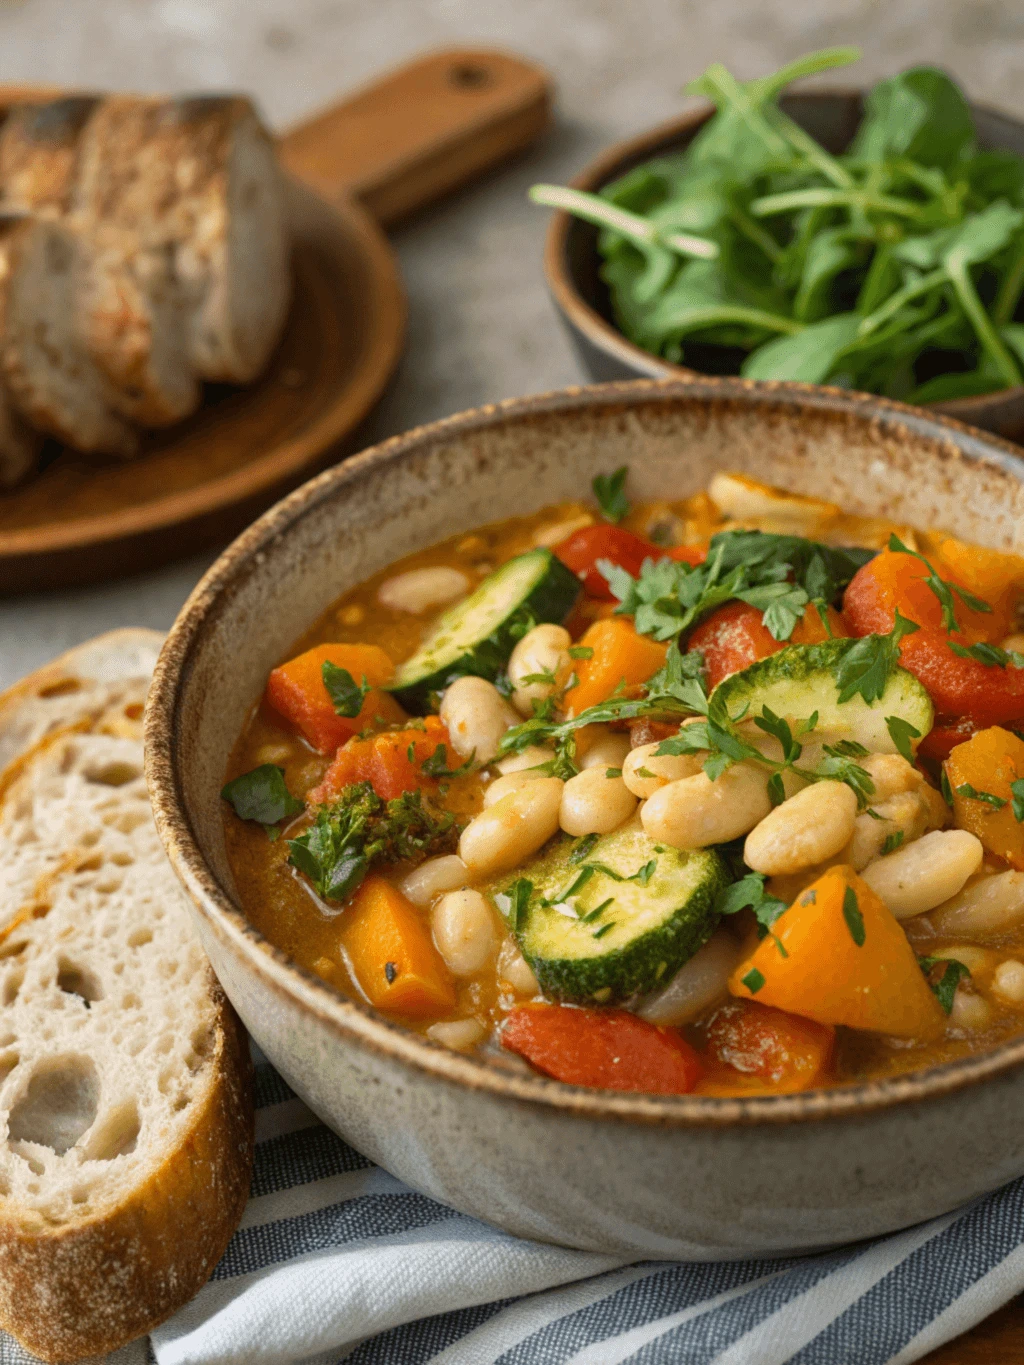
{"points": [[999, 1340], [388, 150]]}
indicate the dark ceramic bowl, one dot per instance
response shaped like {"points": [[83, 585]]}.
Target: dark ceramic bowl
{"points": [[572, 263]]}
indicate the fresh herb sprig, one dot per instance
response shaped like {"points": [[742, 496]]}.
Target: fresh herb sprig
{"points": [[944, 986], [896, 267], [263, 797], [609, 490], [942, 588], [347, 696]]}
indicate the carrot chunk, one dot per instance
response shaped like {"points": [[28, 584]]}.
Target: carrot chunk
{"points": [[893, 582], [838, 956], [297, 692], [604, 1049], [392, 762], [620, 656], [751, 1045], [391, 955], [989, 574], [989, 762]]}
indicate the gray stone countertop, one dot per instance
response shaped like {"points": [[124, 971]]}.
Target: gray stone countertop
{"points": [[481, 325]]}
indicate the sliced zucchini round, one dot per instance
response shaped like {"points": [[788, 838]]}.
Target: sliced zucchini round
{"points": [[619, 920], [478, 634], [802, 679]]}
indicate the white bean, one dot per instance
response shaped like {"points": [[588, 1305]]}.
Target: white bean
{"points": [[433, 877], [970, 1013], [510, 782], [891, 774], [464, 931], [593, 803], [1013, 644], [513, 828], [476, 716], [273, 753], [458, 1034], [531, 757], [608, 751], [662, 769], [805, 830], [746, 499], [929, 871], [905, 813], [544, 651], [695, 812], [556, 531], [990, 905], [418, 590], [697, 985], [1008, 981], [515, 971]]}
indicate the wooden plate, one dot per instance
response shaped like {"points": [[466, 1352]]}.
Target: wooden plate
{"points": [[388, 150]]}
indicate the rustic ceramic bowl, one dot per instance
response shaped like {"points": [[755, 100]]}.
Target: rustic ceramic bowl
{"points": [[641, 1176], [572, 264]]}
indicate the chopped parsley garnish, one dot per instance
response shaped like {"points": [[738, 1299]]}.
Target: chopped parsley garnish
{"points": [[972, 794], [753, 980], [892, 842], [262, 795], [437, 764], [945, 987], [582, 850], [580, 652], [360, 829], [852, 915], [1017, 792], [901, 732], [942, 589], [989, 655], [947, 790], [610, 494], [604, 929], [870, 662], [514, 902], [749, 894], [345, 693], [597, 911]]}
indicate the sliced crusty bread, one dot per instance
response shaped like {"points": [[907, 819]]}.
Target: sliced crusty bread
{"points": [[39, 146], [196, 181], [46, 364], [125, 1089]]}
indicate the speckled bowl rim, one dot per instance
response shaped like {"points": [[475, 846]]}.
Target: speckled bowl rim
{"points": [[355, 1023]]}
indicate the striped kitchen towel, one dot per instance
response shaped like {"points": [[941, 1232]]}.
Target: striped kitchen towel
{"points": [[336, 1260]]}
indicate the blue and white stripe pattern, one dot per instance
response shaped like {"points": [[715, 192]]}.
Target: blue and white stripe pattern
{"points": [[336, 1260]]}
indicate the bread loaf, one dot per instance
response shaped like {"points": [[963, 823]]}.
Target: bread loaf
{"points": [[125, 1088]]}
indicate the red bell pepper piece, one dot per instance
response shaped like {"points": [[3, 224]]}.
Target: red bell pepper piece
{"points": [[749, 1042], [581, 551]]}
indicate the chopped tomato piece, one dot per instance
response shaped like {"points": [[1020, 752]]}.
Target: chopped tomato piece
{"points": [[894, 582], [734, 637], [391, 761], [989, 763], [390, 953], [985, 694], [778, 1050], [689, 554], [944, 736], [604, 1049], [297, 692], [620, 656], [581, 551]]}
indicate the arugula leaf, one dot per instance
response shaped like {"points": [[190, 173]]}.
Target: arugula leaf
{"points": [[609, 492], [919, 114], [945, 987], [345, 693], [854, 918], [1017, 792], [972, 794], [870, 662], [263, 796], [901, 732], [360, 829]]}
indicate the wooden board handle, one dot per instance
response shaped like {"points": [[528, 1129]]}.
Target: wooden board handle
{"points": [[421, 130]]}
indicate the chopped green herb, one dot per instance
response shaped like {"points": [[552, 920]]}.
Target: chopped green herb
{"points": [[262, 796], [545, 676], [582, 850], [901, 732], [604, 929], [852, 915], [945, 987], [892, 842], [359, 829], [610, 494], [942, 589], [947, 790], [597, 911], [345, 693], [515, 901], [613, 772], [580, 652], [749, 894], [437, 764], [972, 794], [776, 789], [870, 662], [753, 981], [1017, 792], [989, 655], [645, 772]]}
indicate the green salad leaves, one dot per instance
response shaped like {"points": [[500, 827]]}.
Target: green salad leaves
{"points": [[895, 266]]}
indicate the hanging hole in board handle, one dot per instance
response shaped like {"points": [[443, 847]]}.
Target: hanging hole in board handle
{"points": [[421, 130]]}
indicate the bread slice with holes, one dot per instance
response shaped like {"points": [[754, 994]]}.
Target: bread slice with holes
{"points": [[126, 1118]]}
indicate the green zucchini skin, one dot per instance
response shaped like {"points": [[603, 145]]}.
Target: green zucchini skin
{"points": [[477, 635], [656, 928], [801, 679]]}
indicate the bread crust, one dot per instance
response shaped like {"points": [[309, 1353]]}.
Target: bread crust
{"points": [[71, 1292], [88, 1286]]}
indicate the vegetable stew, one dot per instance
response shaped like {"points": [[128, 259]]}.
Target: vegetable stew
{"points": [[722, 795]]}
